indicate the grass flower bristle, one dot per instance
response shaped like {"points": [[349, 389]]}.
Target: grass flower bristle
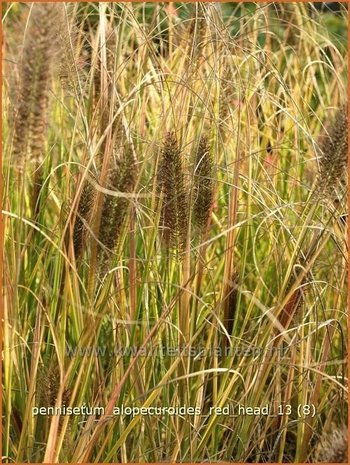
{"points": [[121, 179], [333, 447], [82, 217], [333, 147], [203, 184], [39, 58], [171, 188]]}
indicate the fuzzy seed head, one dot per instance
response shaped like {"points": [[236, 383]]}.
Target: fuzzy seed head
{"points": [[121, 179], [49, 386], [171, 188], [334, 152], [333, 447], [35, 75], [82, 218], [203, 184]]}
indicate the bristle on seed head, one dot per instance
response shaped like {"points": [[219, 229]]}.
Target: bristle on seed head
{"points": [[333, 152], [203, 184], [171, 188]]}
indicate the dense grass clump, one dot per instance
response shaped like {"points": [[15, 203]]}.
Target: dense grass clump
{"points": [[175, 225]]}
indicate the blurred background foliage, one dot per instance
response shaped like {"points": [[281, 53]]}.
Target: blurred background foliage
{"points": [[333, 19]]}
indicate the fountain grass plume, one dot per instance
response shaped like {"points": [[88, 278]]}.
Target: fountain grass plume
{"points": [[121, 178], [333, 146], [40, 56], [171, 187], [333, 447], [203, 184]]}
